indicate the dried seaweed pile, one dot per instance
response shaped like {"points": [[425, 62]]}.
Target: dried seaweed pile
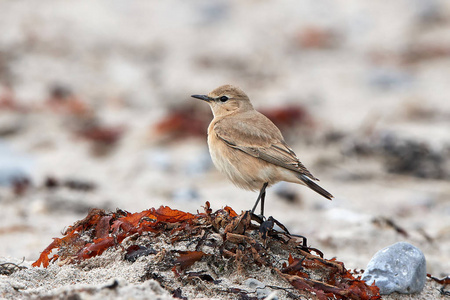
{"points": [[209, 253]]}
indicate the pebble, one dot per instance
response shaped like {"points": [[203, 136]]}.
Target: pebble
{"points": [[261, 291], [400, 267], [254, 283]]}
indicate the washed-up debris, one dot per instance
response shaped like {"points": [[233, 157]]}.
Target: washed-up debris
{"points": [[419, 110], [189, 121], [102, 134], [103, 138], [63, 100], [444, 281], [20, 185], [70, 183], [289, 116], [415, 52], [418, 53], [209, 252], [184, 121], [400, 267], [8, 100], [7, 268], [403, 156], [383, 221], [316, 37], [285, 192], [82, 121], [11, 123]]}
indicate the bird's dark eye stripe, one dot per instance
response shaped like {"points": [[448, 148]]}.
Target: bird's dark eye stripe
{"points": [[223, 98]]}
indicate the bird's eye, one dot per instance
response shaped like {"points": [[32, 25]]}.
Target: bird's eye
{"points": [[223, 99]]}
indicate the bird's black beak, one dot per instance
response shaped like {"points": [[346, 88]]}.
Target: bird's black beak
{"points": [[203, 97]]}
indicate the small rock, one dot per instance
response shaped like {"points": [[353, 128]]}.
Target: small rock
{"points": [[272, 296], [262, 293], [400, 267], [254, 283]]}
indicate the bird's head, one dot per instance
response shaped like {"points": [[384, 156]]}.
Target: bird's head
{"points": [[226, 99]]}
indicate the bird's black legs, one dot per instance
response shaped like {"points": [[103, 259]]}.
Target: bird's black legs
{"points": [[266, 226], [261, 196]]}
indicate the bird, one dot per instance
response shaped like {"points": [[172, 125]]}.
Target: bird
{"points": [[249, 148]]}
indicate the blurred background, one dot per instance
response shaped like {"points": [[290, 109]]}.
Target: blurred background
{"points": [[95, 111]]}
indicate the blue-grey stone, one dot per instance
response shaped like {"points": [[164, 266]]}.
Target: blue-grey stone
{"points": [[254, 283], [261, 291], [400, 267]]}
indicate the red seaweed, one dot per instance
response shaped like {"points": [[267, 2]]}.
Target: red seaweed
{"points": [[309, 274]]}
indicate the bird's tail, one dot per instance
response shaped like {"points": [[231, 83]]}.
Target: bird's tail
{"points": [[315, 187]]}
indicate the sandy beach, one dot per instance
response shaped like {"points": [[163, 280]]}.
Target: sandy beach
{"points": [[95, 112]]}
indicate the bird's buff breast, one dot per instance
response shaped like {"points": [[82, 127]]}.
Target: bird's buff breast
{"points": [[243, 170]]}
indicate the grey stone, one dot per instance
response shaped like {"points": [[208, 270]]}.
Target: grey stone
{"points": [[254, 283], [400, 267], [262, 293]]}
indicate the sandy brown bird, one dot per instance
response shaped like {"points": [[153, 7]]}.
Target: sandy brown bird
{"points": [[246, 146]]}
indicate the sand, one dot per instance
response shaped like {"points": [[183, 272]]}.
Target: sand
{"points": [[363, 71]]}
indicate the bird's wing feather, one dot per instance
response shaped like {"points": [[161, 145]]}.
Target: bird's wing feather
{"points": [[263, 142]]}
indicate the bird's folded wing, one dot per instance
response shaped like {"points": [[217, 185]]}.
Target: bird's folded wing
{"points": [[263, 143]]}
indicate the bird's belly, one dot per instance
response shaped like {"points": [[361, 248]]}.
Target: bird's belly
{"points": [[243, 170]]}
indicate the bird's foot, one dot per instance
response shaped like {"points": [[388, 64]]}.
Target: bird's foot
{"points": [[265, 225], [258, 218]]}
